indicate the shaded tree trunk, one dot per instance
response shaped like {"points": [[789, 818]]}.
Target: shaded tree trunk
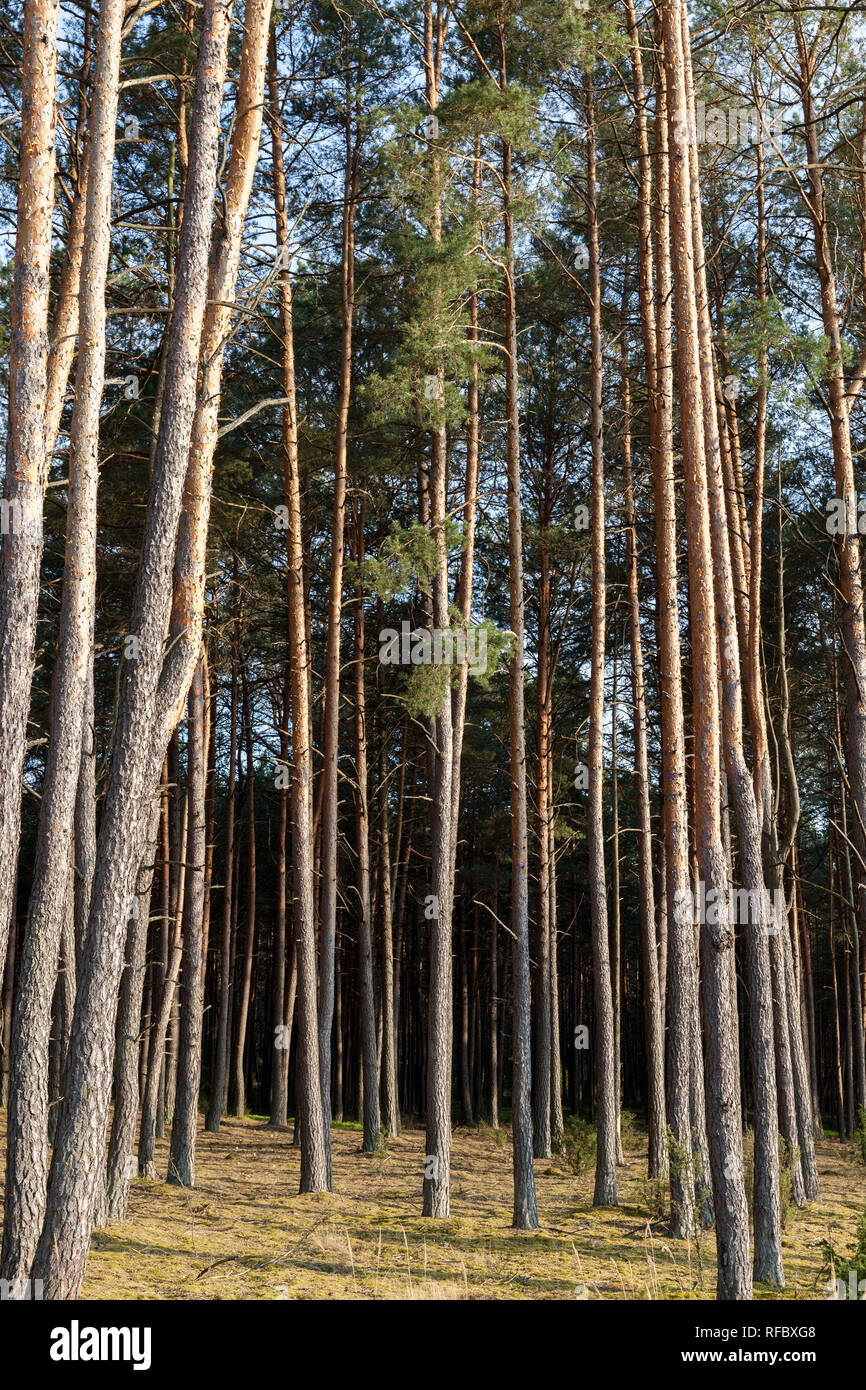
{"points": [[605, 1043], [181, 1162]]}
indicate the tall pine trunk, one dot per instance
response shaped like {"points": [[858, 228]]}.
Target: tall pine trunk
{"points": [[723, 1111], [525, 1211], [605, 1044], [181, 1163], [148, 699], [27, 1153], [26, 455]]}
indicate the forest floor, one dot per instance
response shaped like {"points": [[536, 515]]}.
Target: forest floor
{"points": [[245, 1233]]}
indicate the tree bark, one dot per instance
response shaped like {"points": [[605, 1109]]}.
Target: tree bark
{"points": [[369, 1057], [181, 1162], [27, 1150], [525, 1210], [144, 717], [331, 730], [218, 1081], [656, 325], [605, 1044], [122, 1162], [724, 1123], [26, 456], [237, 1087], [653, 1038], [315, 1148], [440, 1020]]}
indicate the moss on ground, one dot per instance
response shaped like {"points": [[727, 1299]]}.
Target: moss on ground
{"points": [[245, 1233]]}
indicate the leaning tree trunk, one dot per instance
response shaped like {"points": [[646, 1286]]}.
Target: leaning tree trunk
{"points": [[146, 713], [766, 1204], [27, 1151], [225, 258], [656, 325], [67, 316], [724, 1120]]}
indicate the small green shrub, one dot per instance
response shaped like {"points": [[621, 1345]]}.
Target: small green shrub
{"points": [[682, 1161], [654, 1197], [631, 1131], [842, 1267], [579, 1143]]}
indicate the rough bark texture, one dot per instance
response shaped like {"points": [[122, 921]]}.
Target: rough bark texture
{"points": [[525, 1211], [26, 458], [606, 1101], [315, 1174], [143, 721], [331, 732], [440, 1021], [656, 325], [27, 1151], [723, 1111], [369, 1049], [218, 1081], [181, 1162], [653, 1038], [122, 1161], [766, 1205]]}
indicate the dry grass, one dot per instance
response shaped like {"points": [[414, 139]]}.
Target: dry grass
{"points": [[244, 1233]]}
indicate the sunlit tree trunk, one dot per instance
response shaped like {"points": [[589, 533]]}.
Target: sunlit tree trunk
{"points": [[723, 1114], [656, 326], [145, 715], [27, 1152], [26, 456], [767, 1218]]}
